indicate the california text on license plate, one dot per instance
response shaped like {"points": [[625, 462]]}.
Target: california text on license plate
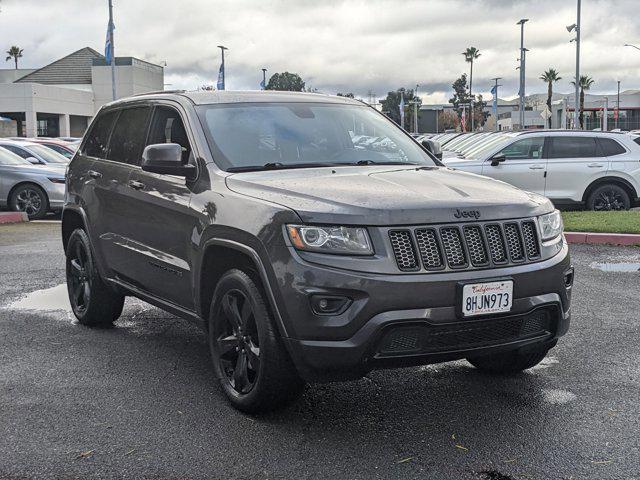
{"points": [[483, 298]]}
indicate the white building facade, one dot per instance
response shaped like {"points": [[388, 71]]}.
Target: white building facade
{"points": [[59, 99]]}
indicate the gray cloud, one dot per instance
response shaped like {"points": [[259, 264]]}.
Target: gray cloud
{"points": [[356, 46]]}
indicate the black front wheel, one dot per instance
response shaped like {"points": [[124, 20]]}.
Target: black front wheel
{"points": [[249, 358], [93, 302], [609, 197]]}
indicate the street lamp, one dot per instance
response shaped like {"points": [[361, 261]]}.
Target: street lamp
{"points": [[521, 22], [629, 45], [570, 28]]}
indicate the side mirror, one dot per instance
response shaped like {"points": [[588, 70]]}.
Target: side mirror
{"points": [[497, 160], [34, 160], [166, 158], [433, 147]]}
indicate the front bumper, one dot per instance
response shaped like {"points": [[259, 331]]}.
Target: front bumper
{"points": [[346, 346], [55, 192]]}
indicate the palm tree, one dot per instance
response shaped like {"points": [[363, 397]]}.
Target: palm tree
{"points": [[470, 54], [15, 53], [584, 84], [550, 76]]}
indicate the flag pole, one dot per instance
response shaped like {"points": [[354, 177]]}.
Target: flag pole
{"points": [[113, 52]]}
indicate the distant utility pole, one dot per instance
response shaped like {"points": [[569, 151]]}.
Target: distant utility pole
{"points": [[576, 27], [494, 91], [222, 69], [521, 91], [415, 110], [110, 29], [618, 105]]}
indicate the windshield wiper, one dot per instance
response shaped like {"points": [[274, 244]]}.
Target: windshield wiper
{"points": [[280, 166], [373, 162]]}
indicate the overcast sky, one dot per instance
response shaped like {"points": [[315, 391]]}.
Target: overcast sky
{"points": [[347, 46]]}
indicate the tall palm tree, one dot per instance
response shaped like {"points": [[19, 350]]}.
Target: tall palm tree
{"points": [[15, 53], [471, 54], [584, 84], [550, 76]]}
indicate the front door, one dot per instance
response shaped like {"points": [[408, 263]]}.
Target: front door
{"points": [[161, 223], [523, 167]]}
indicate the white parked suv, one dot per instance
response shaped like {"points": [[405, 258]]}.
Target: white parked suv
{"points": [[600, 170]]}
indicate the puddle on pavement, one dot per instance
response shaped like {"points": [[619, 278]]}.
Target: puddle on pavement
{"points": [[624, 267], [49, 300], [544, 364], [558, 397]]}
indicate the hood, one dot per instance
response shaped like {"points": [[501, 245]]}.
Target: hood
{"points": [[377, 195]]}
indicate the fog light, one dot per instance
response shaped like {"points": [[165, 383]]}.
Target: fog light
{"points": [[329, 304], [568, 278]]}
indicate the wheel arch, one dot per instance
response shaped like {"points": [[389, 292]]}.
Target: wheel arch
{"points": [[220, 255], [622, 182], [71, 219]]}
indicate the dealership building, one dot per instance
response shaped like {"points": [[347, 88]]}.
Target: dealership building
{"points": [[59, 99]]}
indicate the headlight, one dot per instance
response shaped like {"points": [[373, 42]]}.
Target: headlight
{"points": [[56, 179], [331, 239], [551, 225]]}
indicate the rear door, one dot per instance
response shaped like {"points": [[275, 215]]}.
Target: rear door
{"points": [[574, 161], [524, 165], [111, 205], [161, 223]]}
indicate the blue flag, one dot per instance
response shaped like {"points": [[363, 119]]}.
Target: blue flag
{"points": [[108, 44], [220, 85], [262, 85]]}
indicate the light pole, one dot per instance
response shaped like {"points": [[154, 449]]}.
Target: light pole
{"points": [[494, 91], [222, 49], [617, 106], [629, 45], [415, 110], [521, 92], [576, 27], [113, 51], [264, 78]]}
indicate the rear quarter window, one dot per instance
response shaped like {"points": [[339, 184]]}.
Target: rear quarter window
{"points": [[610, 147], [573, 147]]}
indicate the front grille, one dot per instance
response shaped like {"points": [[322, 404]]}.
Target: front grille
{"points": [[403, 250], [466, 247], [425, 339]]}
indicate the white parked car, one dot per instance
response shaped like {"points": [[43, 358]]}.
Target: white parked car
{"points": [[600, 170]]}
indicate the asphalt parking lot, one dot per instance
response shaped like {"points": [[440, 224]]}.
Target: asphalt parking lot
{"points": [[139, 400]]}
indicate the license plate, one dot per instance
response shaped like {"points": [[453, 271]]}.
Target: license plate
{"points": [[484, 298]]}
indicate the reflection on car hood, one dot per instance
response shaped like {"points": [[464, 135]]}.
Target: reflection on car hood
{"points": [[379, 195], [36, 170]]}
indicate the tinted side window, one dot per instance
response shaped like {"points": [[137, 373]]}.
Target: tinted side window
{"points": [[128, 136], [610, 147], [167, 127], [637, 140], [18, 151], [527, 148], [97, 138], [573, 147]]}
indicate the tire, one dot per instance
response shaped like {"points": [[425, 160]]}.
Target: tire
{"points": [[31, 199], [93, 302], [249, 358], [609, 197], [509, 363]]}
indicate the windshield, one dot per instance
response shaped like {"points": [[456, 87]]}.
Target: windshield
{"points": [[249, 136], [9, 158], [48, 155]]}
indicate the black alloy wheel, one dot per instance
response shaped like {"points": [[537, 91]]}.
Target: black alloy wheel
{"points": [[238, 344], [31, 200], [78, 279], [609, 197]]}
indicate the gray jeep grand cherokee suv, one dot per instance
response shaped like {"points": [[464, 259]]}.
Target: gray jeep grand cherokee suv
{"points": [[312, 238]]}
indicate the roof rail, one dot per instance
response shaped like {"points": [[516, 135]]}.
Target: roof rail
{"points": [[158, 92], [561, 130]]}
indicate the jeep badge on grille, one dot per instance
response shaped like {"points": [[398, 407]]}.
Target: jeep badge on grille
{"points": [[467, 214]]}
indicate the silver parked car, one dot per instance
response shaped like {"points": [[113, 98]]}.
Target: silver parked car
{"points": [[35, 153], [33, 189]]}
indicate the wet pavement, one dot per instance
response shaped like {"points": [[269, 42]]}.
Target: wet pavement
{"points": [[139, 401]]}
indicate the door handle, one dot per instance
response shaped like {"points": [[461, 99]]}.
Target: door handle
{"points": [[536, 167], [94, 174], [595, 165], [136, 185]]}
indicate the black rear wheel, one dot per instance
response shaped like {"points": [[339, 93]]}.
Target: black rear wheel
{"points": [[249, 358], [93, 302], [609, 197]]}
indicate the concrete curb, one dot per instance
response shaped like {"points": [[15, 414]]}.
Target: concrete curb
{"points": [[603, 238], [13, 217]]}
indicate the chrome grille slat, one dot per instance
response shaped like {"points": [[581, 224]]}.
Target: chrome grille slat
{"points": [[465, 246]]}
